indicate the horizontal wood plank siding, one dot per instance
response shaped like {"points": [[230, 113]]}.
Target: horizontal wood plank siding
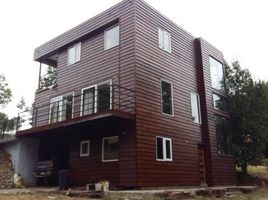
{"points": [[152, 65], [222, 167]]}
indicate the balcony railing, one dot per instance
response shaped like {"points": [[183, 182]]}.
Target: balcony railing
{"points": [[92, 100]]}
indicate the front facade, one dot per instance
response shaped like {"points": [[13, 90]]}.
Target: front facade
{"points": [[137, 101]]}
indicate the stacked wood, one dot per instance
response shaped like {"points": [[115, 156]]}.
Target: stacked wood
{"points": [[6, 170]]}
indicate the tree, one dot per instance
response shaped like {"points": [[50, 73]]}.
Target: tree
{"points": [[5, 92], [49, 79], [6, 124], [248, 112]]}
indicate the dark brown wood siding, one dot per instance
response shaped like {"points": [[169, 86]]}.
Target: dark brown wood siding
{"points": [[152, 65], [222, 167]]}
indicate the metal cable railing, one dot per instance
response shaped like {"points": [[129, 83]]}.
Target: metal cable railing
{"points": [[88, 102]]}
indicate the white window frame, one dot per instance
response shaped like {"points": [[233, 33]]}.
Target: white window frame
{"points": [[164, 139], [105, 37], [88, 148], [110, 81], [60, 98], [102, 152], [198, 105], [172, 104], [77, 48], [167, 49]]}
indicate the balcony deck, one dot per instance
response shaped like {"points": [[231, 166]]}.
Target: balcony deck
{"points": [[111, 103]]}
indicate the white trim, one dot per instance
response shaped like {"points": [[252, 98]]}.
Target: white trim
{"points": [[172, 103], [164, 139], [88, 148], [102, 152], [105, 36], [60, 99], [75, 46], [82, 98], [169, 41], [198, 105]]}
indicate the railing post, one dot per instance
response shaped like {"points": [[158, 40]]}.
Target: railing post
{"points": [[17, 122], [113, 99], [35, 116]]}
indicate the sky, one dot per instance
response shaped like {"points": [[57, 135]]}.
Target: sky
{"points": [[239, 28]]}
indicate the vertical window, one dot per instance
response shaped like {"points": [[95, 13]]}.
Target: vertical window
{"points": [[84, 148], [167, 97], [223, 133], [61, 108], [217, 74], [111, 37], [110, 149], [164, 40], [88, 104], [96, 98], [74, 53], [163, 149], [195, 105], [220, 103]]}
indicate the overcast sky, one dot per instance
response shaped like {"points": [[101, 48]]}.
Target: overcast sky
{"points": [[239, 28]]}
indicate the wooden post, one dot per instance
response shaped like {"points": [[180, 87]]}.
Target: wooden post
{"points": [[39, 79]]}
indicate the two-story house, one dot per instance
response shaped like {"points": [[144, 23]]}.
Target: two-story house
{"points": [[138, 101]]}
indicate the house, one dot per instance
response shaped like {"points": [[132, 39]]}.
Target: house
{"points": [[137, 101]]}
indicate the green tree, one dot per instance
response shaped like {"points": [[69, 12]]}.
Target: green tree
{"points": [[248, 111], [49, 79], [6, 125], [5, 92]]}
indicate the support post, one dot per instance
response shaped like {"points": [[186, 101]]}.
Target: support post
{"points": [[39, 79]]}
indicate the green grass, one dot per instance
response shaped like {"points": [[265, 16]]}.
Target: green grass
{"points": [[259, 171]]}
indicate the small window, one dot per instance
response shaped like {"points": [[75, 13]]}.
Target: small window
{"points": [[217, 74], [110, 149], [220, 103], [74, 53], [163, 149], [88, 104], [84, 148], [195, 105], [167, 98], [164, 40], [111, 37]]}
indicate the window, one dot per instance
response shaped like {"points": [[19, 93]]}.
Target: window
{"points": [[111, 37], [163, 149], [217, 74], [110, 149], [167, 98], [195, 105], [74, 53], [220, 103], [61, 108], [84, 148], [96, 98], [223, 133], [164, 40]]}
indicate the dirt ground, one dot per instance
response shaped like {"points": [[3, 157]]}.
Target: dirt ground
{"points": [[39, 196]]}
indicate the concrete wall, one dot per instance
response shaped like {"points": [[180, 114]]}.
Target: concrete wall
{"points": [[24, 152]]}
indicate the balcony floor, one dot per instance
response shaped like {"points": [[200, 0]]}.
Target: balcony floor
{"points": [[111, 115]]}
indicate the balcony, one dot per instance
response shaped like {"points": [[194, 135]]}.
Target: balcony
{"points": [[93, 103]]}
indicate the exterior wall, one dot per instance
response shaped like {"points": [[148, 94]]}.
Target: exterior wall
{"points": [[222, 167], [179, 67], [24, 153], [96, 64]]}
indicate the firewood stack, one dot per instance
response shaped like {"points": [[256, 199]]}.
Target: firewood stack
{"points": [[6, 170]]}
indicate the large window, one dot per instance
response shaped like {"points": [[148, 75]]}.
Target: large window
{"points": [[74, 53], [110, 149], [223, 132], [195, 107], [164, 40], [163, 149], [220, 103], [84, 148], [217, 74], [96, 98], [167, 97], [61, 108], [111, 37]]}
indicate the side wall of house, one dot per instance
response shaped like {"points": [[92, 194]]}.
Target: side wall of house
{"points": [[222, 166], [178, 67]]}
